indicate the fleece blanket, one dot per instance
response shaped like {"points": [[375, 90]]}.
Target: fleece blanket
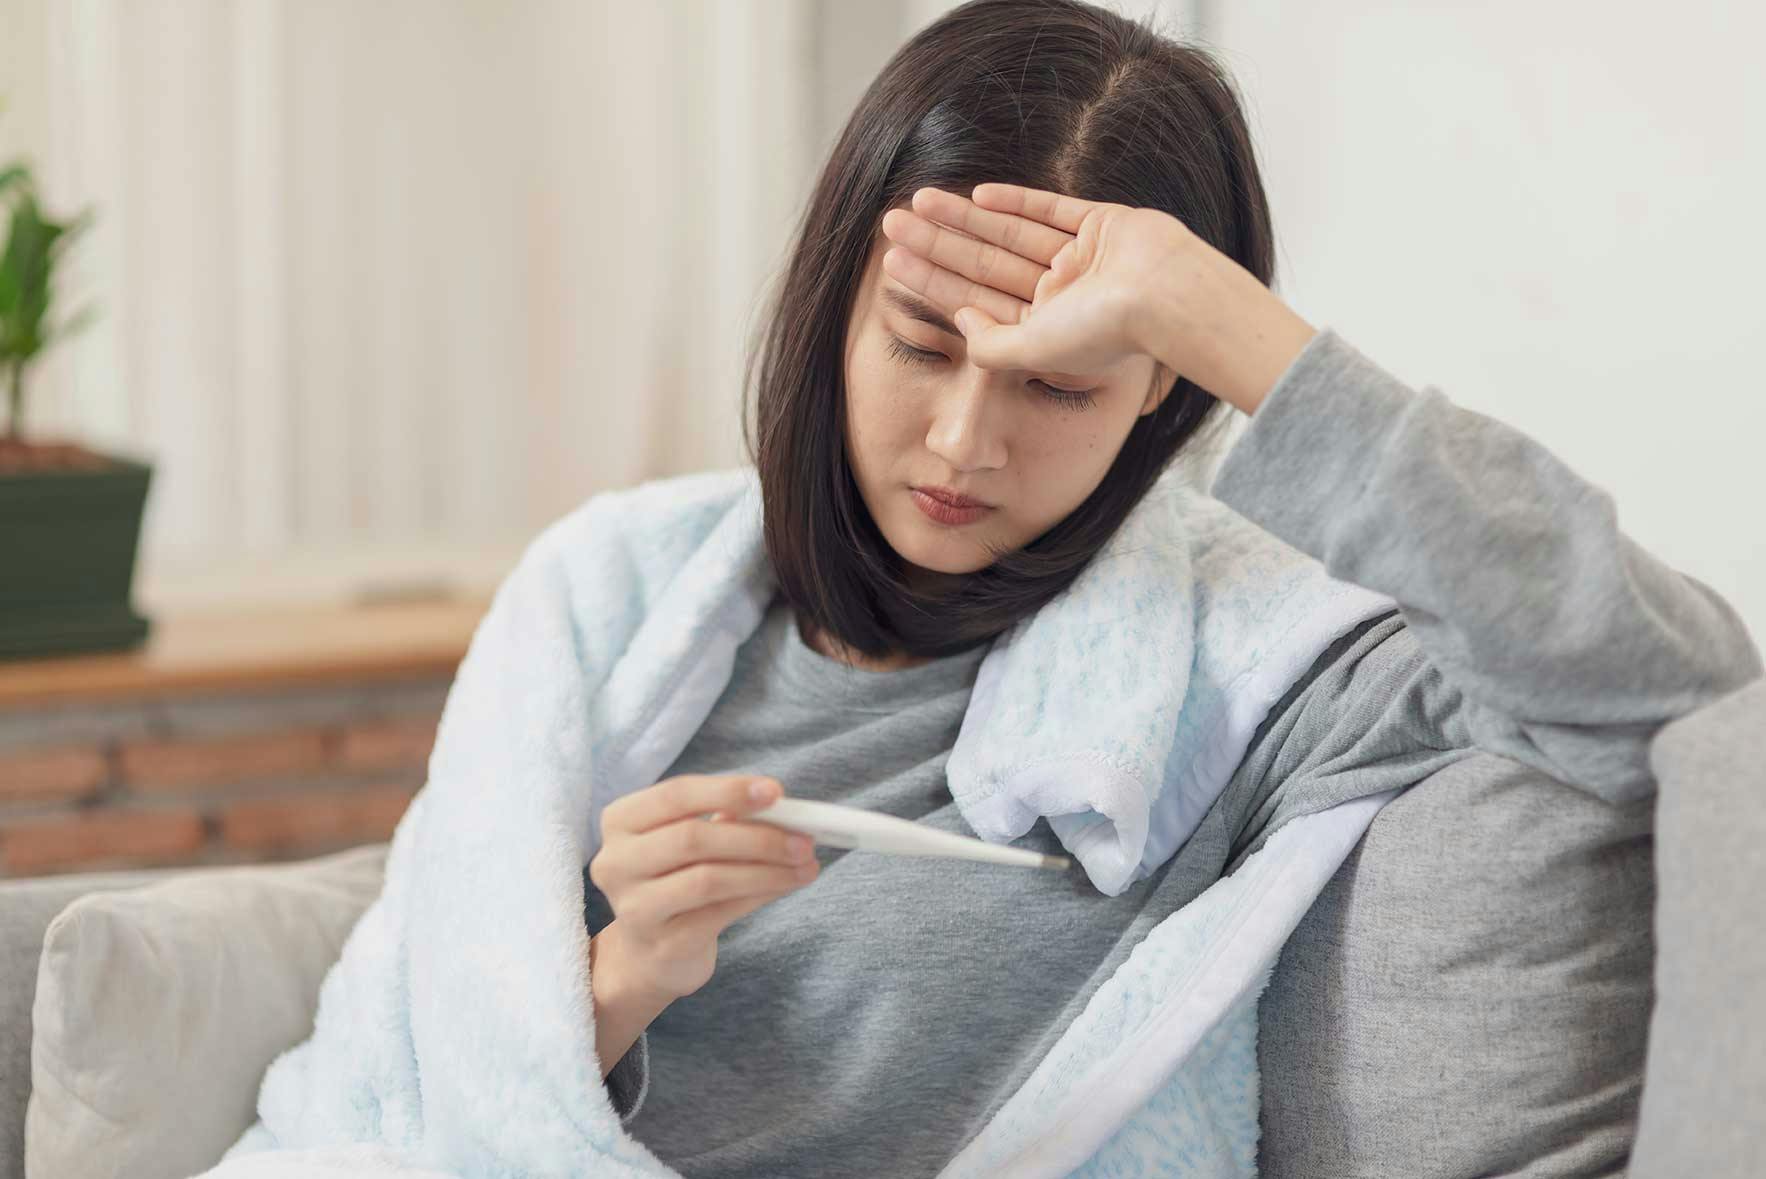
{"points": [[455, 1037]]}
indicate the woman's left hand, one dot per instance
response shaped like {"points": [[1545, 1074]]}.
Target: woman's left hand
{"points": [[1045, 282]]}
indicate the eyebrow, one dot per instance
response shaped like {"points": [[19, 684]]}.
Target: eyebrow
{"points": [[921, 310]]}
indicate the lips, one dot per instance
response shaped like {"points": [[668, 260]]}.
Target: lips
{"points": [[946, 496], [943, 513]]}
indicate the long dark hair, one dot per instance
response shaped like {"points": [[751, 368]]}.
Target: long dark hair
{"points": [[1052, 94]]}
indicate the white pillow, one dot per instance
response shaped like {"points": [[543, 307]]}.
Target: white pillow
{"points": [[160, 1007]]}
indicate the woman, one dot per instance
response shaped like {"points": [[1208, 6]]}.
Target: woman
{"points": [[1050, 356]]}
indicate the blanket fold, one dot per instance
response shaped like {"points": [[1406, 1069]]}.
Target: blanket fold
{"points": [[455, 1034]]}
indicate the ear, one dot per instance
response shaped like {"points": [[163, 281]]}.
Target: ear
{"points": [[1157, 389]]}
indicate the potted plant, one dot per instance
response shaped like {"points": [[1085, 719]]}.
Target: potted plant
{"points": [[70, 518]]}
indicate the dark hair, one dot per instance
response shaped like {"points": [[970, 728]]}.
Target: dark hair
{"points": [[1052, 94]]}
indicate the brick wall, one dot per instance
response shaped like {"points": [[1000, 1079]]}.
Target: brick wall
{"points": [[220, 779]]}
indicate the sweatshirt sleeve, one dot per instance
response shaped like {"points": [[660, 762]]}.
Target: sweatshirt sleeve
{"points": [[1570, 644], [628, 1082]]}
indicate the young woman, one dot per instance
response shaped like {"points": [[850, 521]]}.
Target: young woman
{"points": [[1038, 261]]}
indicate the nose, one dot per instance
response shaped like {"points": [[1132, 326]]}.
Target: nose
{"points": [[968, 426]]}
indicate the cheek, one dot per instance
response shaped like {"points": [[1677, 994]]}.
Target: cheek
{"points": [[880, 403], [869, 430], [1059, 462], [1064, 449]]}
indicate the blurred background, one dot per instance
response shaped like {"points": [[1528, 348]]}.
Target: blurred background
{"points": [[384, 288]]}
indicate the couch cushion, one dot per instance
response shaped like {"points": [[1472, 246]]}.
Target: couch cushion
{"points": [[159, 1008], [26, 909], [1471, 993]]}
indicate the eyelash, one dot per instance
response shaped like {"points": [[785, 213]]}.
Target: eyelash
{"points": [[1065, 398]]}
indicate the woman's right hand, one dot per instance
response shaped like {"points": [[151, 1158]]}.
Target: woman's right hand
{"points": [[674, 881]]}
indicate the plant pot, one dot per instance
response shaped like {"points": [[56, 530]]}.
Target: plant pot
{"points": [[70, 525]]}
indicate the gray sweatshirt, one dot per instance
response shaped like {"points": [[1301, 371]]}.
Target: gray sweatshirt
{"points": [[840, 1036]]}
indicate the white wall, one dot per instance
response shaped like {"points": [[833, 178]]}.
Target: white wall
{"points": [[1546, 211], [387, 287], [24, 117], [1550, 212]]}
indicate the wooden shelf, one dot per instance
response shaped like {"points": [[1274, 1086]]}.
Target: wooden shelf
{"points": [[257, 649]]}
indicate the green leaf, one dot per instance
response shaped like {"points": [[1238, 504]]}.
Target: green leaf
{"points": [[34, 245]]}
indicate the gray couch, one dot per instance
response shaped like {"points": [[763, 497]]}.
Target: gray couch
{"points": [[1339, 1011]]}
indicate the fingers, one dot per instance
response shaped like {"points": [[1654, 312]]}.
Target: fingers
{"points": [[989, 343], [634, 860], [994, 253], [1019, 236], [683, 795], [946, 289], [995, 345], [978, 261], [679, 844], [1051, 208], [655, 903]]}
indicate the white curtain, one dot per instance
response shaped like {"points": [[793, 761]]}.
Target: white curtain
{"points": [[387, 286]]}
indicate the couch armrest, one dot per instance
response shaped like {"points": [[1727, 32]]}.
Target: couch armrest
{"points": [[1705, 1084]]}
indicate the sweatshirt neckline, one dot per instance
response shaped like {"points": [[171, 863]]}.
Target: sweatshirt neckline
{"points": [[812, 669]]}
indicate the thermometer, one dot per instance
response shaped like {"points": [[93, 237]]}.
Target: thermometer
{"points": [[865, 830]]}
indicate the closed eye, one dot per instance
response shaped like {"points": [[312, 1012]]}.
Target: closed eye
{"points": [[1066, 398]]}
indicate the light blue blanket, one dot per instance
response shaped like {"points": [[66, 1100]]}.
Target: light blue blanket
{"points": [[455, 1036]]}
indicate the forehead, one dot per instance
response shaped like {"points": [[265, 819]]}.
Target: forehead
{"points": [[881, 292], [875, 277], [914, 306]]}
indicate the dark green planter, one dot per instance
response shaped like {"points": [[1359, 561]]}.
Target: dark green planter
{"points": [[67, 559]]}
